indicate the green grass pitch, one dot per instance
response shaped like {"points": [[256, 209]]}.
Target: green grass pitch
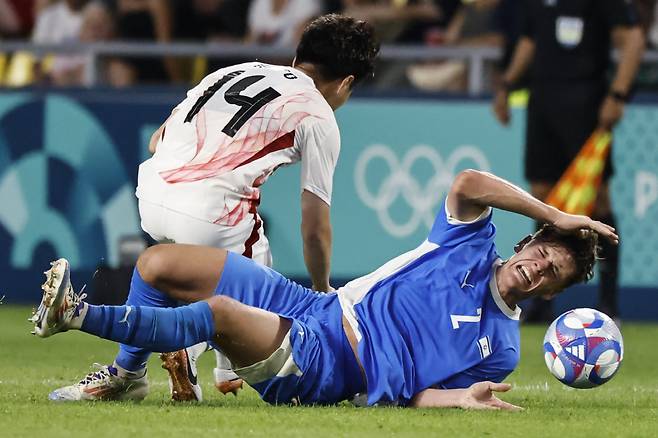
{"points": [[31, 367]]}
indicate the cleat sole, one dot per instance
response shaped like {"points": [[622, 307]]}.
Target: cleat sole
{"points": [[230, 386], [176, 365]]}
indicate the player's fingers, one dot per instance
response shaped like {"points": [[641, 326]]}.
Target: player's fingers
{"points": [[499, 387], [500, 404], [605, 230], [483, 405]]}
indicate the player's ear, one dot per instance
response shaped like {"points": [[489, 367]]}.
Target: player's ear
{"points": [[346, 84], [523, 242]]}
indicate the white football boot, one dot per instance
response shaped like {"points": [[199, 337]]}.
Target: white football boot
{"points": [[59, 304], [104, 384], [225, 378]]}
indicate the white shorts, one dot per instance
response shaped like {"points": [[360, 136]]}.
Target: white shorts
{"points": [[163, 224]]}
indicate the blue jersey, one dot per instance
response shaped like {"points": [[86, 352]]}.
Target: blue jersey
{"points": [[433, 317]]}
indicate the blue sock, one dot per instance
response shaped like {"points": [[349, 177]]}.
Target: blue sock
{"points": [[151, 328], [141, 294]]}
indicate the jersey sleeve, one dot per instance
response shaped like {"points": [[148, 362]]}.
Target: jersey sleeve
{"points": [[620, 13], [449, 231], [319, 144]]}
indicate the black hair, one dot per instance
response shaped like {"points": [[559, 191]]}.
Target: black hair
{"points": [[583, 247], [339, 46]]}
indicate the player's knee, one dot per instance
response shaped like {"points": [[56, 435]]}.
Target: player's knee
{"points": [[152, 265], [223, 309]]}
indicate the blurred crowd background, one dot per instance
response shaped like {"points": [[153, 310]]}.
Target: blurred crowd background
{"points": [[271, 23]]}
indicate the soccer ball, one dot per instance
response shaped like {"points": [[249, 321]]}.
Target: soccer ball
{"points": [[583, 348]]}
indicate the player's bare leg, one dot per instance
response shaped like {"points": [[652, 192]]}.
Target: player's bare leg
{"points": [[187, 273], [247, 334]]}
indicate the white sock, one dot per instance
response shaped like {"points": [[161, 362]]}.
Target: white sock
{"points": [[223, 362], [126, 374]]}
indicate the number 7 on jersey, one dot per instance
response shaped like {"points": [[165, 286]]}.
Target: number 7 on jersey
{"points": [[456, 319]]}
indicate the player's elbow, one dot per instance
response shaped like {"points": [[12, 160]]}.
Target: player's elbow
{"points": [[629, 38], [463, 185], [637, 38]]}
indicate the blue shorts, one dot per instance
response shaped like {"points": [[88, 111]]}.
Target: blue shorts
{"points": [[315, 363]]}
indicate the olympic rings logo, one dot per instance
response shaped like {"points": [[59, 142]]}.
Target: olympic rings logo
{"points": [[423, 200]]}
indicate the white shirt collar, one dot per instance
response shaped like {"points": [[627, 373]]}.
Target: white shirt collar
{"points": [[493, 286]]}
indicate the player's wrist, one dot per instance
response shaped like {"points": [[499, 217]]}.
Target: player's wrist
{"points": [[506, 85], [464, 398], [619, 96]]}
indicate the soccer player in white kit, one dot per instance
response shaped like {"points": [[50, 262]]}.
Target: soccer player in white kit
{"points": [[210, 158]]}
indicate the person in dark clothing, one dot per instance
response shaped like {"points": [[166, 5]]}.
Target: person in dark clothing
{"points": [[566, 45]]}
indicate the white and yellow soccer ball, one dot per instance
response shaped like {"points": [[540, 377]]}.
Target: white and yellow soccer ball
{"points": [[583, 348]]}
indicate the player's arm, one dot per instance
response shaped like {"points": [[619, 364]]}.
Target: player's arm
{"points": [[319, 140], [473, 191], [155, 138], [317, 235], [158, 134], [524, 52], [630, 43], [478, 396]]}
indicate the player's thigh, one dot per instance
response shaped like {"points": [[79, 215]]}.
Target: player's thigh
{"points": [[186, 273], [246, 334]]}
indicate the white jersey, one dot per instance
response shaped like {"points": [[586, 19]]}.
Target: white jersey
{"points": [[230, 134]]}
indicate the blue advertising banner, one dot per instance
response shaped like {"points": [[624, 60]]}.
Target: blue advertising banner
{"points": [[68, 164]]}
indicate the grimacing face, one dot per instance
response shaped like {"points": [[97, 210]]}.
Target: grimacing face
{"points": [[538, 269]]}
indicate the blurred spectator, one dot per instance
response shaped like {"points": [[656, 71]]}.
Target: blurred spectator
{"points": [[392, 17], [646, 11], [216, 20], [206, 21], [429, 28], [9, 22], [17, 17], [97, 25], [280, 22], [476, 23], [146, 21], [652, 33], [56, 23]]}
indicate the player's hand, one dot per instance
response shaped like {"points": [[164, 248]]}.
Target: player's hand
{"points": [[612, 110], [501, 106], [572, 223], [481, 396]]}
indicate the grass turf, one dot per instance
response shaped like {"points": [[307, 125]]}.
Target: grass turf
{"points": [[31, 367]]}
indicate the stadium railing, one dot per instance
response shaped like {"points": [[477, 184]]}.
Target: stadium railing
{"points": [[475, 57]]}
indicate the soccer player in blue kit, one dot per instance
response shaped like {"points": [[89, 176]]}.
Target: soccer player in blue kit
{"points": [[434, 327]]}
